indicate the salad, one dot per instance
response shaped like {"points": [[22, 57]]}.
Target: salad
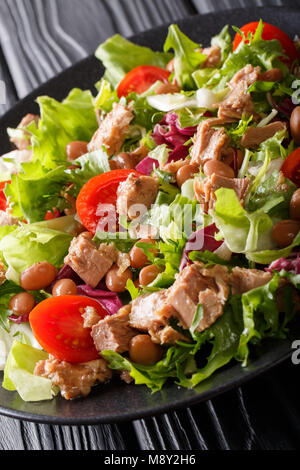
{"points": [[151, 231]]}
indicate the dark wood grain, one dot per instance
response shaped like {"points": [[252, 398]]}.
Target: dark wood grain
{"points": [[39, 38]]}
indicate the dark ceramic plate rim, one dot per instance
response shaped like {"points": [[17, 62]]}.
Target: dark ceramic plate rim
{"points": [[272, 357]]}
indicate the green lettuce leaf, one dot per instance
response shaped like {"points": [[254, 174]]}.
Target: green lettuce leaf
{"points": [[152, 376], [119, 56], [273, 195], [223, 41], [187, 56], [241, 230], [36, 190], [260, 317], [267, 256], [61, 123], [106, 96], [225, 336], [30, 244], [18, 373], [144, 115], [89, 165]]}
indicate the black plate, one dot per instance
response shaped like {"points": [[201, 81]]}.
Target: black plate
{"points": [[117, 401]]}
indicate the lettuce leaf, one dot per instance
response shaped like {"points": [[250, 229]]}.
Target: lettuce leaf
{"points": [[18, 373], [267, 256], [223, 41], [61, 123], [225, 336], [187, 56], [36, 190], [273, 195], [22, 333], [241, 230], [30, 244], [119, 56], [261, 317], [106, 96], [89, 165]]}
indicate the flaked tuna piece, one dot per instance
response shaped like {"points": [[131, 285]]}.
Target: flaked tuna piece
{"points": [[254, 136], [216, 121], [114, 332], [90, 263], [273, 75], [2, 272], [143, 316], [205, 189], [136, 195], [197, 285], [238, 102], [90, 317], [74, 380], [213, 54], [7, 219], [208, 143], [112, 130], [125, 376], [23, 143], [174, 166], [243, 279]]}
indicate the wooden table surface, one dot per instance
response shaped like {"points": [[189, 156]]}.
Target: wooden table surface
{"points": [[38, 39]]}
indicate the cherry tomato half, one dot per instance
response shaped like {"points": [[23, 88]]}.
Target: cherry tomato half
{"points": [[52, 215], [3, 200], [141, 78], [57, 325], [291, 167], [101, 189], [270, 32]]}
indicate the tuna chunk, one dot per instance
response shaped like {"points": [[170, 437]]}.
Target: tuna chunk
{"points": [[243, 279], [112, 130], [144, 317], [114, 332], [23, 143], [90, 317], [254, 136], [87, 261], [208, 143], [197, 285], [205, 189], [2, 272], [238, 101], [74, 380], [136, 195], [213, 54], [7, 219]]}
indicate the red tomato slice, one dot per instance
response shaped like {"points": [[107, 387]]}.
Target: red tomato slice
{"points": [[101, 189], [291, 167], [52, 215], [3, 200], [57, 325], [270, 32], [141, 78]]}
